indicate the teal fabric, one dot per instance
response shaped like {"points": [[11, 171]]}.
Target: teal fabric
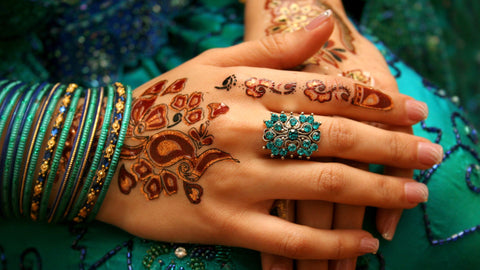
{"points": [[439, 39], [443, 232]]}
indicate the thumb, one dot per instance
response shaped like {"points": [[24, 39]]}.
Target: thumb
{"points": [[278, 51]]}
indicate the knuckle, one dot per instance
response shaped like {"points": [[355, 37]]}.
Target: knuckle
{"points": [[395, 147], [274, 45], [330, 179], [340, 135], [293, 245], [385, 190], [339, 249]]}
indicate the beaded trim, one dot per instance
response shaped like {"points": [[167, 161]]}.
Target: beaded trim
{"points": [[51, 146]]}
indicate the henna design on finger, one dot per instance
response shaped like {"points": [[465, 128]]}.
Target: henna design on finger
{"points": [[290, 16], [316, 90], [162, 156], [371, 98], [228, 83]]}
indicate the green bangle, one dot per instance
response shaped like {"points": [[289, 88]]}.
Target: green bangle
{"points": [[29, 115], [96, 159], [68, 106], [86, 156], [43, 121], [11, 101], [16, 121], [74, 161], [127, 96], [105, 164]]}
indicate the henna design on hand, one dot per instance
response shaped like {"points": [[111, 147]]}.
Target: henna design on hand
{"points": [[162, 156], [290, 16]]}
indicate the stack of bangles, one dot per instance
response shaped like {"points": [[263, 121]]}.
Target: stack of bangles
{"points": [[60, 148]]}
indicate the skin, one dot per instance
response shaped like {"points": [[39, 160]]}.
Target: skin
{"points": [[238, 192], [359, 55]]}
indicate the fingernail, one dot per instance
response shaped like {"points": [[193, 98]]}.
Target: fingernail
{"points": [[346, 264], [318, 20], [429, 153], [390, 224], [416, 110], [416, 192], [369, 245]]}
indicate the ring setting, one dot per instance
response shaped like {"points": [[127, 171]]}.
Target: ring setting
{"points": [[291, 136]]}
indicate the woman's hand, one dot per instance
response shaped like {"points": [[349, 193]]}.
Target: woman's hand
{"points": [[345, 54], [193, 167]]}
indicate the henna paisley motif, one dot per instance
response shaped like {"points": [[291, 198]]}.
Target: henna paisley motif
{"points": [[168, 156], [371, 98]]}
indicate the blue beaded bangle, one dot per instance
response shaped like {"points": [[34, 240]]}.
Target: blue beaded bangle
{"points": [[21, 139], [40, 129], [125, 98], [82, 196], [80, 178], [110, 157], [54, 151], [76, 155]]}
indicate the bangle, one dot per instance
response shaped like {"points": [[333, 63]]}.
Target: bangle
{"points": [[21, 140], [36, 141], [126, 99], [96, 158], [9, 149], [5, 112], [39, 133], [86, 156], [76, 155], [54, 148], [109, 159]]}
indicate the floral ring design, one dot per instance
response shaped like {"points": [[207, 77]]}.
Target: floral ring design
{"points": [[291, 136]]}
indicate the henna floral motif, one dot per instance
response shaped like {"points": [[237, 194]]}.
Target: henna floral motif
{"points": [[189, 104], [168, 156], [289, 16], [329, 54], [258, 87], [317, 91]]}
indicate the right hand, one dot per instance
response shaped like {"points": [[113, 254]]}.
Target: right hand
{"points": [[230, 181]]}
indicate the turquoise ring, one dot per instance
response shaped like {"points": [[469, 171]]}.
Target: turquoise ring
{"points": [[291, 136]]}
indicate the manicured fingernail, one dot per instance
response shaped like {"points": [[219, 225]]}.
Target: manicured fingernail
{"points": [[429, 153], [318, 20], [390, 224], [369, 245], [416, 110], [346, 264], [416, 192]]}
